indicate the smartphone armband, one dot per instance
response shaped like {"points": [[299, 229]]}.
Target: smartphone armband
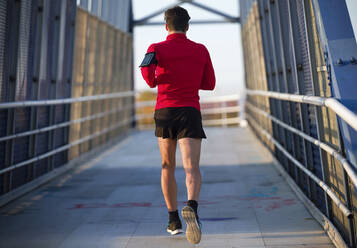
{"points": [[149, 59]]}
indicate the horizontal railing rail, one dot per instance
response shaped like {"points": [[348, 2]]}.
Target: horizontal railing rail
{"points": [[319, 182], [331, 103], [220, 110], [65, 147], [224, 110], [63, 124], [7, 105], [225, 121], [144, 104], [226, 98], [137, 117], [327, 148], [342, 111]]}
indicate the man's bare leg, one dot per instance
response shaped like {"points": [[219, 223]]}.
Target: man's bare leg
{"points": [[168, 162], [190, 152], [168, 182]]}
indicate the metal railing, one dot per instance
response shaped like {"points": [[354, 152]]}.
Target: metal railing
{"points": [[228, 115], [331, 103], [138, 117], [92, 60], [289, 49], [342, 111], [8, 105]]}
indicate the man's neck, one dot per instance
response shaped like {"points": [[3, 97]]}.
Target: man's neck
{"points": [[176, 32]]}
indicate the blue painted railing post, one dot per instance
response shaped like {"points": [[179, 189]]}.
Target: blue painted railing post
{"points": [[339, 43]]}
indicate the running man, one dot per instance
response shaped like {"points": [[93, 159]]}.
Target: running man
{"points": [[180, 68]]}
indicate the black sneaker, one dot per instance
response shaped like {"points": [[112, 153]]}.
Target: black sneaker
{"points": [[193, 231], [174, 227]]}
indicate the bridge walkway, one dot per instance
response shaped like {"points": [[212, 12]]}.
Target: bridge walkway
{"points": [[115, 200]]}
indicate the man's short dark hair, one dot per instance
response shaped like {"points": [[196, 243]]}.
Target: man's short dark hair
{"points": [[177, 18]]}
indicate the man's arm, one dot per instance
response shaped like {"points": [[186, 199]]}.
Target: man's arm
{"points": [[208, 79], [148, 71]]}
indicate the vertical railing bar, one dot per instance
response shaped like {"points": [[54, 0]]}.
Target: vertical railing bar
{"points": [[61, 76], [298, 77], [51, 138], [120, 69], [280, 105], [258, 99], [9, 147], [84, 84], [349, 206], [71, 25], [55, 63], [42, 68], [287, 69], [127, 43], [13, 61], [36, 21], [263, 24], [317, 112], [261, 100], [347, 194], [105, 79], [98, 84], [111, 80], [282, 78], [32, 140]]}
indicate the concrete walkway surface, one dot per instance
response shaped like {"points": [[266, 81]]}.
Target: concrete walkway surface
{"points": [[115, 200]]}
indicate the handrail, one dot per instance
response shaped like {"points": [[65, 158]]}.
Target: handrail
{"points": [[220, 110], [140, 104], [318, 181], [95, 116], [6, 105], [342, 111], [233, 97], [226, 121], [327, 148], [63, 124], [65, 147]]}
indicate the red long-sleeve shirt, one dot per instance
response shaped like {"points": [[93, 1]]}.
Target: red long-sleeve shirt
{"points": [[184, 67]]}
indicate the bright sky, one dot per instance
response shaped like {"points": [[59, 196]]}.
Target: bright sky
{"points": [[222, 40], [352, 9]]}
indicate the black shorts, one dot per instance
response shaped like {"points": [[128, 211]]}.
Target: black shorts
{"points": [[178, 122]]}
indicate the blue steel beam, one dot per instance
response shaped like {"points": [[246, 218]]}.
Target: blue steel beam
{"points": [[214, 11], [338, 42], [144, 20], [227, 18], [191, 22]]}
